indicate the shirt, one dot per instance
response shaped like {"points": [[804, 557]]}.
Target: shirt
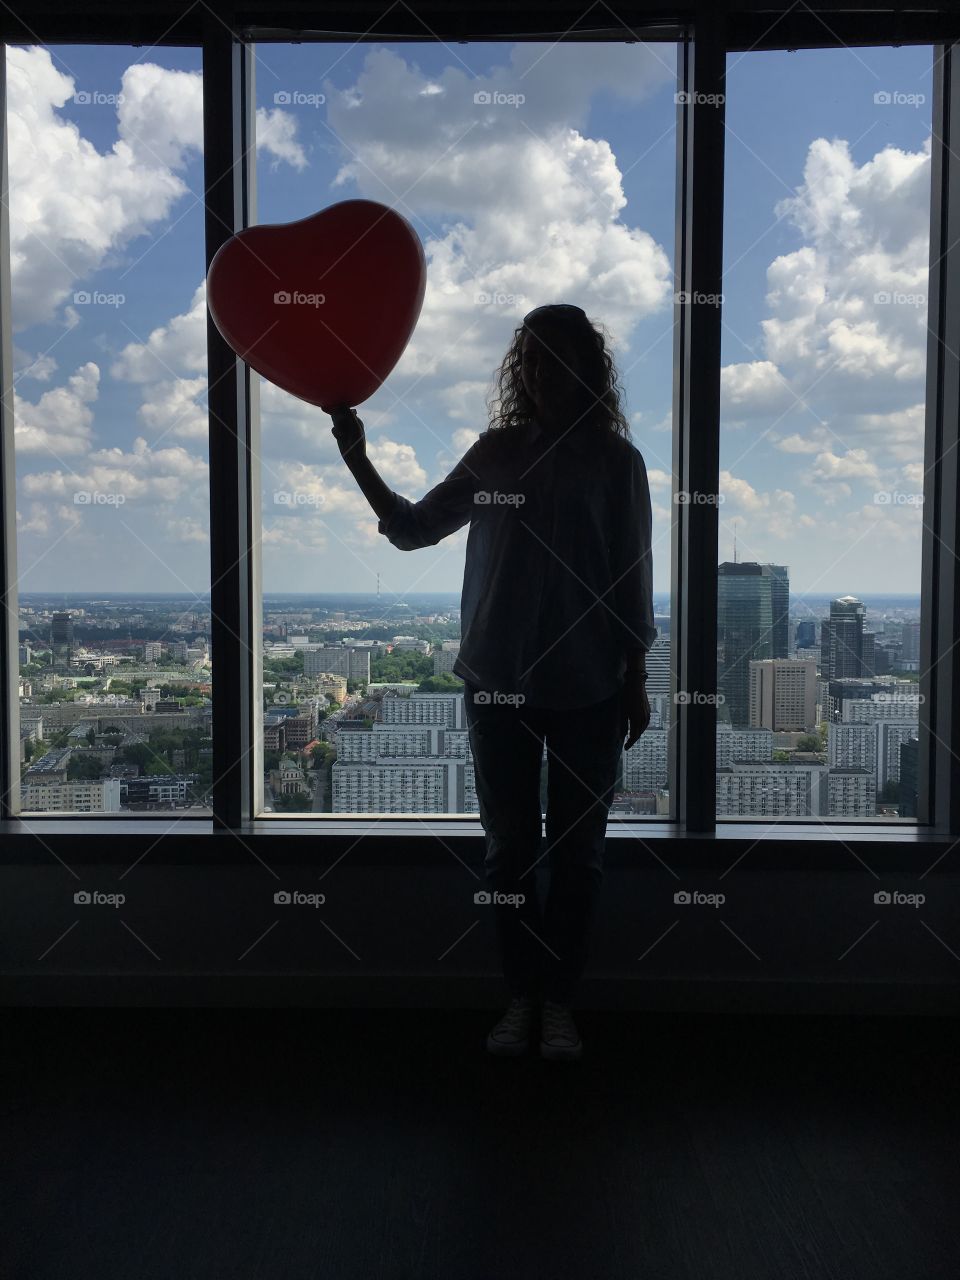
{"points": [[557, 584]]}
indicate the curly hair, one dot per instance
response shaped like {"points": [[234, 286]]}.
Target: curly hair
{"points": [[510, 406]]}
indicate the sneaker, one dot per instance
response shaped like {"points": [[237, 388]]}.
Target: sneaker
{"points": [[511, 1035], [559, 1037]]}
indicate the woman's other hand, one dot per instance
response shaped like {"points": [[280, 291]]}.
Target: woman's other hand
{"points": [[637, 708]]}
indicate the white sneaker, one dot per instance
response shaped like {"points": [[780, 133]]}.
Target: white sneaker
{"points": [[511, 1035], [559, 1037]]}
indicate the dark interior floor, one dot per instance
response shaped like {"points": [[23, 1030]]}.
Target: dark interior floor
{"points": [[198, 1144]]}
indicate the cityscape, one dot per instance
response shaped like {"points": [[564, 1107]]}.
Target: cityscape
{"points": [[817, 705]]}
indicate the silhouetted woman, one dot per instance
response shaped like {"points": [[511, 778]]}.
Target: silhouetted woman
{"points": [[557, 616]]}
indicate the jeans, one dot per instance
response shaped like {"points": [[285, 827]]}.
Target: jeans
{"points": [[544, 954]]}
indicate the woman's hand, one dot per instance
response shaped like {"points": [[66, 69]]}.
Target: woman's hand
{"points": [[636, 707], [348, 432]]}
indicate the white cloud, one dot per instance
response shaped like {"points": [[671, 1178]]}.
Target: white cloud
{"points": [[543, 201], [178, 347], [277, 135], [848, 322], [69, 204], [72, 206], [756, 387], [39, 368], [61, 421], [854, 464], [397, 463], [144, 475]]}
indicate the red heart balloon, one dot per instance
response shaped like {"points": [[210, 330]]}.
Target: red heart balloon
{"points": [[325, 306]]}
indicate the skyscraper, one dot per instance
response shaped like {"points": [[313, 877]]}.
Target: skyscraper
{"points": [[806, 634], [745, 593], [843, 650], [61, 637], [780, 601]]}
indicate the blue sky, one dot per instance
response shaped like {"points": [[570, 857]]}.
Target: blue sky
{"points": [[822, 387]]}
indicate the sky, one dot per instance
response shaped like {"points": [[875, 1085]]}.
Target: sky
{"points": [[563, 189]]}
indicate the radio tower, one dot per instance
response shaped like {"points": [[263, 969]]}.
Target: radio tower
{"points": [[378, 588]]}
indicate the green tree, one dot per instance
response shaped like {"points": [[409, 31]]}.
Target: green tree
{"points": [[291, 802], [82, 768], [446, 683]]}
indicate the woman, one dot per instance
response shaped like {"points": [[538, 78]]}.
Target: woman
{"points": [[557, 616]]}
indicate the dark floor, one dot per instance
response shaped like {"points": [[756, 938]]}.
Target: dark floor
{"points": [[199, 1144]]}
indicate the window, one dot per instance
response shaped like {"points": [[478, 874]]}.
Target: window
{"points": [[582, 142], [787, 406], [825, 324], [113, 552]]}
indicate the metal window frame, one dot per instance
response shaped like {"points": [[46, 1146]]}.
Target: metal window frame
{"points": [[229, 110], [701, 71], [229, 107], [9, 631], [938, 782]]}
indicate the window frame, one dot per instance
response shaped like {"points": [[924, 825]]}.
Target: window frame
{"points": [[236, 578]]}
